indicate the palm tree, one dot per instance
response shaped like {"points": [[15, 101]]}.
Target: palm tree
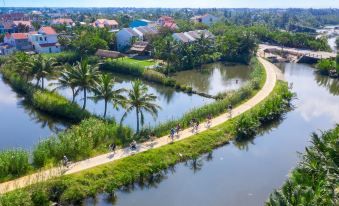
{"points": [[140, 100], [84, 77], [103, 90], [43, 67], [23, 64], [66, 80]]}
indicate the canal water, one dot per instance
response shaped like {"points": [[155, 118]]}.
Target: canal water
{"points": [[215, 78], [245, 173], [22, 126], [212, 78]]}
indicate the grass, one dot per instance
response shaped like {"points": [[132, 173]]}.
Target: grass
{"points": [[72, 189], [144, 63]]}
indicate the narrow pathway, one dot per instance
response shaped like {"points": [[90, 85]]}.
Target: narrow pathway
{"points": [[271, 78]]}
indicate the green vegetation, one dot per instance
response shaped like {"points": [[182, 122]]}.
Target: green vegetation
{"points": [[337, 42], [315, 180], [328, 67], [72, 189], [13, 163], [90, 137], [134, 68], [139, 100], [43, 100], [274, 36], [103, 90], [220, 106]]}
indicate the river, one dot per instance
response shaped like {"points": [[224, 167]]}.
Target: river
{"points": [[245, 173]]}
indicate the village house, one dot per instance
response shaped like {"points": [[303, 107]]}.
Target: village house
{"points": [[206, 19], [19, 41], [6, 49], [45, 40], [191, 36], [106, 23], [127, 36], [168, 22], [63, 21]]}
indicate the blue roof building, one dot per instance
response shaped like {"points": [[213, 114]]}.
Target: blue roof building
{"points": [[140, 22]]}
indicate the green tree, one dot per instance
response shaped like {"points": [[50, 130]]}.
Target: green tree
{"points": [[140, 100], [103, 89], [84, 77], [43, 67], [66, 80], [23, 64]]}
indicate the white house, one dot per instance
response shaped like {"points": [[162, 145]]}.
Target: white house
{"points": [[206, 19], [191, 36], [127, 36], [45, 40]]}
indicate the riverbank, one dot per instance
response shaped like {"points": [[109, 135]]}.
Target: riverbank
{"points": [[262, 94], [73, 188]]}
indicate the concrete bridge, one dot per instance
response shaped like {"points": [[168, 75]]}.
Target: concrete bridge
{"points": [[298, 55]]}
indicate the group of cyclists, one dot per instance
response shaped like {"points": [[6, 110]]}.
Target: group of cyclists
{"points": [[194, 124]]}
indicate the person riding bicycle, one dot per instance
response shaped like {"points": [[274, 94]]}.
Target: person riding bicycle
{"points": [[65, 161], [172, 133], [112, 147], [133, 145], [178, 129]]}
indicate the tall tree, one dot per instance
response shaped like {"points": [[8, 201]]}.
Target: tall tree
{"points": [[23, 64], [85, 76], [66, 80], [140, 100], [43, 67], [103, 89]]}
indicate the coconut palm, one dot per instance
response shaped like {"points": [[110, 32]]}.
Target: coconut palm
{"points": [[141, 101], [43, 67], [23, 64], [84, 77], [103, 90], [66, 80]]}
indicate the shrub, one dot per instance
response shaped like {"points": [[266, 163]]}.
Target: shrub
{"points": [[154, 76], [78, 142], [13, 163]]}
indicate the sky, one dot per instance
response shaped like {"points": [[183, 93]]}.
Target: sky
{"points": [[175, 3]]}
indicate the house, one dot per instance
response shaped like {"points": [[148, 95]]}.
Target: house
{"points": [[106, 23], [19, 41], [109, 54], [140, 47], [61, 21], [13, 17], [26, 24], [191, 36], [45, 40], [141, 22], [206, 19], [168, 22], [127, 36]]}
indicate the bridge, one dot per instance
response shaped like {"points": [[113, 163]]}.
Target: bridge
{"points": [[298, 55]]}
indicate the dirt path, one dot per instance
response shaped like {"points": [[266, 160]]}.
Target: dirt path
{"points": [[271, 77]]}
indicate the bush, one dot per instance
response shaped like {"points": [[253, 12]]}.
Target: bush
{"points": [[78, 142], [154, 76], [13, 163]]}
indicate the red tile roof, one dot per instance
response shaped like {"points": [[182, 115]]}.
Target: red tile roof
{"points": [[48, 30], [19, 35]]}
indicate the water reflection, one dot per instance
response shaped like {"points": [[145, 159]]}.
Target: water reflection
{"points": [[247, 171], [332, 85], [173, 103], [21, 125], [214, 78]]}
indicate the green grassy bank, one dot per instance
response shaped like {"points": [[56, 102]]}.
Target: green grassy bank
{"points": [[72, 189]]}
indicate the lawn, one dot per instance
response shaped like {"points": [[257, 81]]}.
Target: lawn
{"points": [[144, 63]]}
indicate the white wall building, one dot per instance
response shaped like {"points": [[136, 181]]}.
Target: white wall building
{"points": [[206, 19], [127, 36], [45, 40]]}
